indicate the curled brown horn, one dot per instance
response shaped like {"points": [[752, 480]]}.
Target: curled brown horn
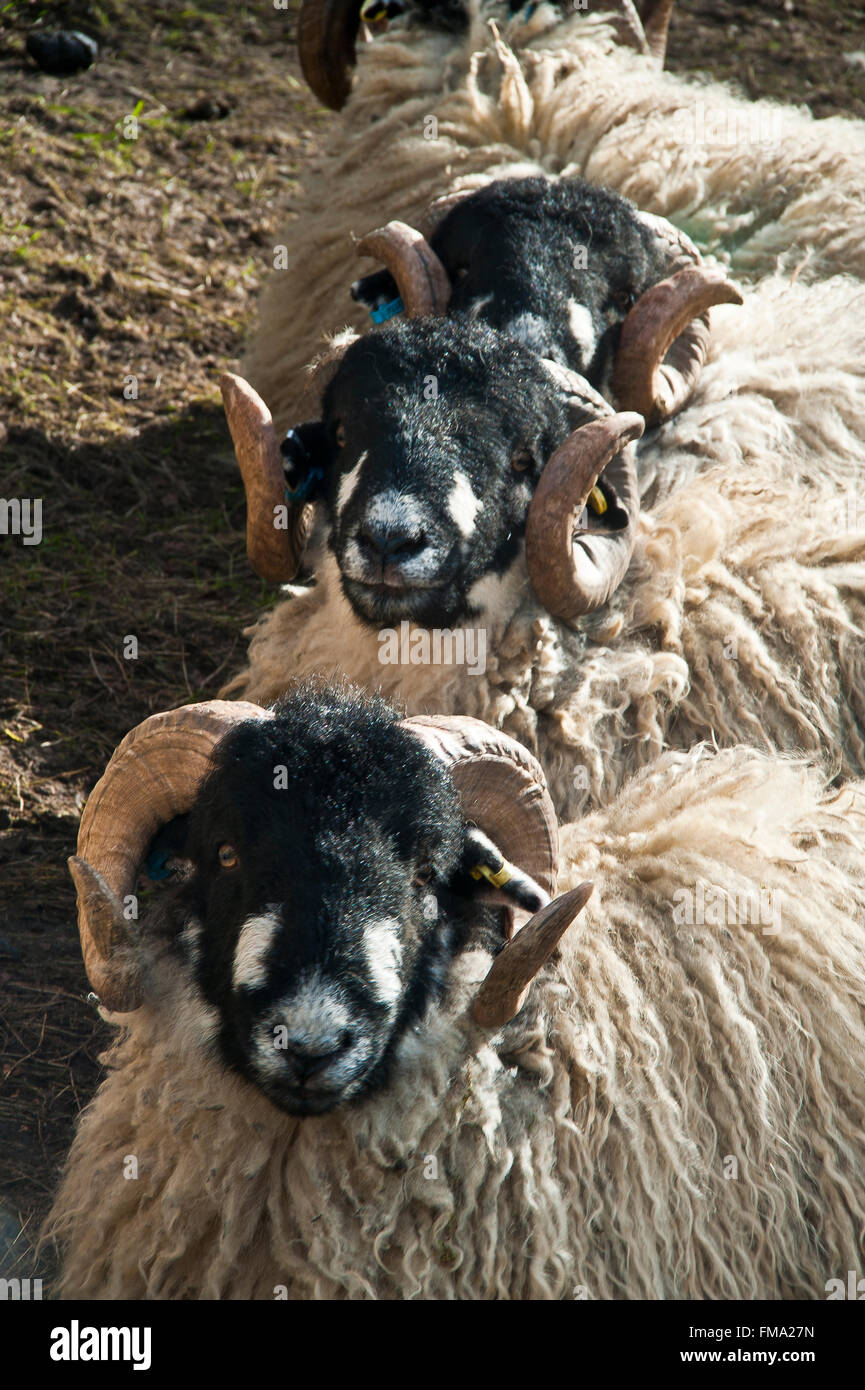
{"points": [[671, 312], [421, 278], [274, 551], [152, 776], [326, 38], [503, 992], [501, 788], [574, 571]]}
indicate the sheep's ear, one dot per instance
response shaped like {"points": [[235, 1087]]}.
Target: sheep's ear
{"points": [[305, 455], [379, 294], [495, 877]]}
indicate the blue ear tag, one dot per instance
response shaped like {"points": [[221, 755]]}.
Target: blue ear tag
{"points": [[156, 865], [387, 311], [293, 495]]}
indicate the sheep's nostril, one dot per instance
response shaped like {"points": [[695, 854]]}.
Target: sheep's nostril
{"points": [[308, 1057], [391, 543]]}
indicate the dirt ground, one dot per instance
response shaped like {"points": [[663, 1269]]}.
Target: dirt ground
{"points": [[140, 207]]}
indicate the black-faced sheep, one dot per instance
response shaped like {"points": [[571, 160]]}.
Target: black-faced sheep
{"points": [[740, 617], [561, 92], [330, 1085], [574, 272]]}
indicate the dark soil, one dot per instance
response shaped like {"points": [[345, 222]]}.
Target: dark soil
{"points": [[140, 207]]}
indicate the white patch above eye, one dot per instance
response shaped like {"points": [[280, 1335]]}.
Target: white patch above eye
{"points": [[249, 970], [463, 504], [348, 484], [583, 329], [384, 956]]}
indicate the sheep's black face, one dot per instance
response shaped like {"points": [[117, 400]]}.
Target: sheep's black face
{"points": [[555, 264], [326, 845], [433, 439]]}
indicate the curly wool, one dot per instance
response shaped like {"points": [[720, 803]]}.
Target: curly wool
{"points": [[560, 97], [677, 1112]]}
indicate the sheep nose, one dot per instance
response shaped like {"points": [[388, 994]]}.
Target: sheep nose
{"points": [[391, 542], [308, 1057]]}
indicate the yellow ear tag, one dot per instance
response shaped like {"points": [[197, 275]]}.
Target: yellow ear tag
{"points": [[497, 878], [597, 501]]}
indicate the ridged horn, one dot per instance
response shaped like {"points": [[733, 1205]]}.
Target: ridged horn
{"points": [[153, 775], [574, 571], [501, 788], [665, 338], [326, 39], [503, 992], [274, 552], [421, 278], [665, 341]]}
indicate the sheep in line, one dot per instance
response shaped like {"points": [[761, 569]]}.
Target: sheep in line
{"points": [[344, 1071], [556, 94], [733, 610]]}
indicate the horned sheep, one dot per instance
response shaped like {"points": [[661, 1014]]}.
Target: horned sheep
{"points": [[337, 1077], [741, 616], [560, 92]]}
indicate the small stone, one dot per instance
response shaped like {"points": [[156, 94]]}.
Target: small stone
{"points": [[206, 109], [61, 52]]}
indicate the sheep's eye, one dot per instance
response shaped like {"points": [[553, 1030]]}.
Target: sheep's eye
{"points": [[461, 272], [340, 436], [521, 462], [228, 857], [424, 873], [624, 298]]}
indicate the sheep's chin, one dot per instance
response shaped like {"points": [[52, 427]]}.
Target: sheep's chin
{"points": [[379, 606], [301, 1102]]}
